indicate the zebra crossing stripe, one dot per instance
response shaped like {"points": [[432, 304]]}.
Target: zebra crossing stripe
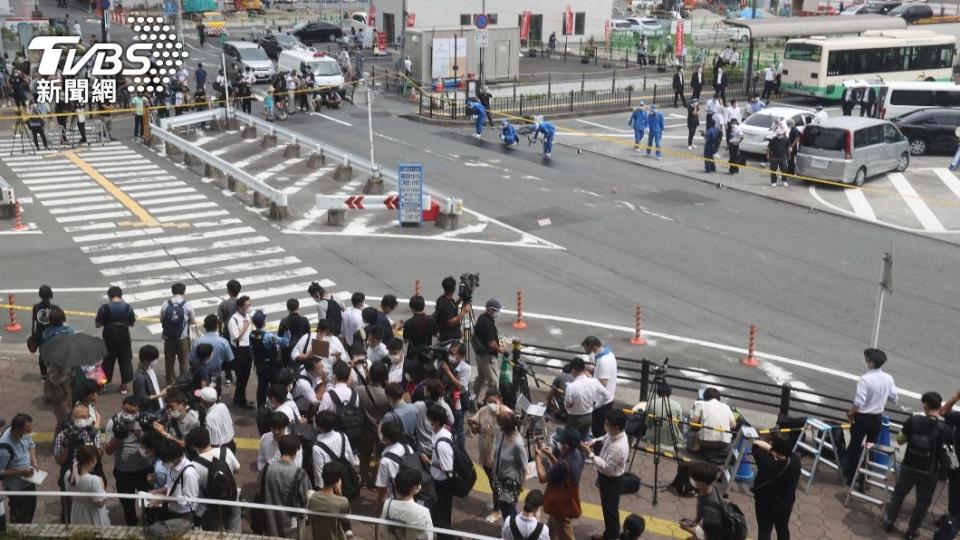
{"points": [[89, 227], [194, 261], [165, 240], [208, 302], [71, 193], [858, 201], [77, 200], [183, 207], [947, 177], [229, 270], [117, 234], [88, 208], [177, 251], [93, 217], [167, 200], [187, 217], [56, 187], [919, 208], [193, 290]]}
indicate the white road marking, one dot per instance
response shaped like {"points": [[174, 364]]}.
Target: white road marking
{"points": [[117, 234], [217, 271], [71, 193], [177, 251], [858, 201], [182, 207], [194, 291], [168, 200], [90, 227], [68, 185], [920, 209], [194, 261], [166, 240], [93, 217], [594, 124], [188, 217], [950, 179], [87, 208], [332, 119]]}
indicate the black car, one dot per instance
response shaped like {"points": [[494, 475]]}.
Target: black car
{"points": [[912, 12], [274, 43], [930, 130], [317, 32]]}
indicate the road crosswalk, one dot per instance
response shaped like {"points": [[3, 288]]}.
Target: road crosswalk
{"points": [[194, 240], [919, 199]]}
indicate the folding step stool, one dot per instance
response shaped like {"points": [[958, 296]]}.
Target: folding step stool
{"points": [[822, 435], [731, 464], [874, 473]]}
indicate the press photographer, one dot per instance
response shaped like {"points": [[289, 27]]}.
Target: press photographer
{"points": [[77, 432], [448, 316], [131, 468]]}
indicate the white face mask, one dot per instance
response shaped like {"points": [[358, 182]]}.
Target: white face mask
{"points": [[84, 423], [493, 407], [396, 359], [495, 315], [176, 414]]}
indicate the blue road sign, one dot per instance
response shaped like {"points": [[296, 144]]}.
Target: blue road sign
{"points": [[411, 194], [105, 5], [481, 21], [170, 8]]}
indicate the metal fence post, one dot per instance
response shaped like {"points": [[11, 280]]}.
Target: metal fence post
{"points": [[644, 379], [629, 96], [644, 82], [614, 86], [549, 83], [583, 80], [521, 104], [654, 94], [421, 103], [785, 399], [571, 100], [514, 89]]}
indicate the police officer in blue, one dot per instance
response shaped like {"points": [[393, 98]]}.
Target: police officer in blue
{"points": [[508, 134], [476, 108], [638, 120], [548, 131], [655, 125]]}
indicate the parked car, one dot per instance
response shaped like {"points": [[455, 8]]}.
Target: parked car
{"points": [[854, 9], [245, 54], [317, 32], [850, 149], [930, 130], [758, 127], [882, 7], [912, 12], [358, 20], [274, 44]]}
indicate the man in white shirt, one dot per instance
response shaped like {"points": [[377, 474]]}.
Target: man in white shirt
{"points": [[176, 318], [269, 447], [279, 401], [353, 317], [717, 419], [341, 387], [182, 481], [304, 347], [821, 116], [308, 386], [769, 81], [403, 509], [584, 395], [711, 108], [605, 372], [875, 389], [330, 444], [395, 355], [218, 421], [240, 327], [611, 465], [525, 525], [441, 467], [391, 434], [214, 517], [433, 397]]}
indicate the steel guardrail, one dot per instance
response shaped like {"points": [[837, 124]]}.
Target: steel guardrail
{"points": [[191, 118]]}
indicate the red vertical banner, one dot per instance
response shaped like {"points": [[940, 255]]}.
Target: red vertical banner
{"points": [[525, 25], [411, 19], [568, 25], [372, 16], [382, 41], [678, 42], [606, 31]]}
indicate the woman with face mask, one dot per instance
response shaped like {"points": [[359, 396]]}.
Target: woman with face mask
{"points": [[484, 424], [146, 384], [88, 510]]}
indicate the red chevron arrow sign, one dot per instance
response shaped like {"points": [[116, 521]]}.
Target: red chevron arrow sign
{"points": [[392, 202], [362, 202], [355, 202]]}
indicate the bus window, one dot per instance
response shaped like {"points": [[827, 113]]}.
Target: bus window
{"points": [[802, 51]]}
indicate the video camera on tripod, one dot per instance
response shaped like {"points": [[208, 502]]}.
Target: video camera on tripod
{"points": [[468, 284]]}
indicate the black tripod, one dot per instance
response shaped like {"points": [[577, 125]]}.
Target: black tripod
{"points": [[20, 136], [659, 407]]}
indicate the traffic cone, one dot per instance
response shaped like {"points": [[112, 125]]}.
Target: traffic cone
{"points": [[14, 326]]}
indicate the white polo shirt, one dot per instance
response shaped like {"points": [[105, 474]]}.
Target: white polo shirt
{"points": [[584, 394]]}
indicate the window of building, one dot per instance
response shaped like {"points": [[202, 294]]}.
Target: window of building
{"points": [[492, 18], [466, 19], [579, 22]]}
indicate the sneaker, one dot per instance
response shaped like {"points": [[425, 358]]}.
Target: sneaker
{"points": [[773, 184], [690, 147], [786, 184], [693, 146], [887, 525], [348, 534], [779, 183], [658, 158], [477, 135], [547, 154], [228, 381]]}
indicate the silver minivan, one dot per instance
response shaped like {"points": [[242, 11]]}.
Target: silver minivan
{"points": [[850, 149]]}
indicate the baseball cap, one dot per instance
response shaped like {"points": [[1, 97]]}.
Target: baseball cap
{"points": [[494, 305], [208, 394], [258, 318]]}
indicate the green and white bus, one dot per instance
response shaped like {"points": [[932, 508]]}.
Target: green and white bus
{"points": [[818, 65]]}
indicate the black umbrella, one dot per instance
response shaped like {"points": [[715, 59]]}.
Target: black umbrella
{"points": [[73, 350]]}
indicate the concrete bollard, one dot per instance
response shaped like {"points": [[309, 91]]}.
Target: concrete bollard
{"points": [[260, 200], [170, 149], [343, 173], [189, 160], [291, 151], [269, 141], [249, 132], [231, 183], [448, 221], [233, 124], [208, 170], [336, 218], [316, 160], [374, 186], [278, 212]]}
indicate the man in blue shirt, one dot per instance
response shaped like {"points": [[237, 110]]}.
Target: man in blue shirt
{"points": [[475, 108], [265, 350], [638, 120], [508, 134], [548, 131], [655, 125], [116, 317], [18, 460], [201, 75], [222, 353]]}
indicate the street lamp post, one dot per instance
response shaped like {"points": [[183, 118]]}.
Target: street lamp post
{"points": [[753, 15], [483, 10]]}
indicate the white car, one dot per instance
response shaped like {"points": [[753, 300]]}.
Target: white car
{"points": [[645, 26], [758, 127]]}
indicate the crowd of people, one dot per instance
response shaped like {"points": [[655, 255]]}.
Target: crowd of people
{"points": [[359, 402]]}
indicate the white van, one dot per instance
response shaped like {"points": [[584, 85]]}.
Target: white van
{"points": [[898, 98], [326, 69]]}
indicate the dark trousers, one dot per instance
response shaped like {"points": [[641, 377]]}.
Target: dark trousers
{"points": [[118, 351], [734, 150], [709, 165], [137, 126], [777, 165], [38, 133], [43, 365], [792, 162], [441, 512], [493, 485], [610, 501], [710, 121], [847, 108], [908, 479], [245, 104], [953, 494], [865, 426], [596, 427], [696, 93], [770, 517], [767, 89], [23, 508], [691, 131], [229, 366], [131, 482], [721, 91], [507, 509], [866, 109], [242, 367], [266, 371], [679, 93], [82, 128]]}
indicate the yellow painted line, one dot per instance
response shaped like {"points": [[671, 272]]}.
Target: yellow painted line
{"points": [[145, 218]]}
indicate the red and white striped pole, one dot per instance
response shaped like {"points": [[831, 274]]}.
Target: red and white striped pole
{"points": [[520, 324], [638, 329], [750, 360], [14, 326], [18, 225]]}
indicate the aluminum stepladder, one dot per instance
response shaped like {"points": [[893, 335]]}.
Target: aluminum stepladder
{"points": [[822, 438], [735, 456], [874, 473]]}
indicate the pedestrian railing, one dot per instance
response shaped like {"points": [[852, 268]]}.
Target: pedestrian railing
{"points": [[764, 396], [192, 152]]}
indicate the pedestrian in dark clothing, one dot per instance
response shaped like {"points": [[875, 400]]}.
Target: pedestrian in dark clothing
{"points": [[292, 327], [708, 523], [793, 145], [777, 156], [201, 77], [116, 317], [693, 121], [720, 85], [484, 96], [696, 83], [923, 435], [710, 148], [202, 33], [39, 321], [874, 389], [734, 138], [678, 87], [952, 418], [848, 100], [868, 101], [775, 487]]}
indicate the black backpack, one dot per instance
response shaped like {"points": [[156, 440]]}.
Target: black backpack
{"points": [[732, 520], [350, 480], [221, 484], [411, 460], [922, 447], [517, 535], [334, 315], [351, 421], [174, 320], [464, 475], [260, 353]]}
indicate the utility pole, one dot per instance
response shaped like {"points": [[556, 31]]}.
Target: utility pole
{"points": [[226, 86], [104, 7], [886, 286], [483, 9], [403, 37], [179, 20]]}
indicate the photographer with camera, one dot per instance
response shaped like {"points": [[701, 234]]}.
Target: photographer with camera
{"points": [[446, 314], [455, 375], [75, 434], [486, 344], [418, 330], [131, 468], [181, 419]]}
